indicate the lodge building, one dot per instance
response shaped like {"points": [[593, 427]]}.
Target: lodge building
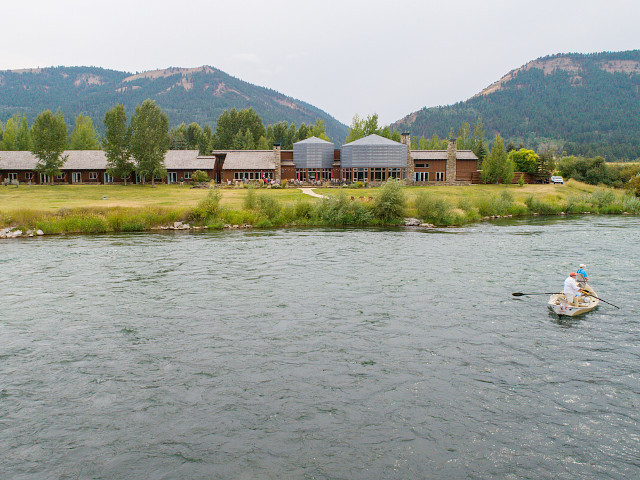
{"points": [[372, 159]]}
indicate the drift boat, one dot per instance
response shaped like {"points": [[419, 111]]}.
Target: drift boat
{"points": [[587, 302]]}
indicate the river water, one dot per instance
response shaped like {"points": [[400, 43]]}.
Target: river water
{"points": [[320, 354]]}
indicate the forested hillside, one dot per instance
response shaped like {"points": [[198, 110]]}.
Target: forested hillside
{"points": [[185, 95], [580, 104]]}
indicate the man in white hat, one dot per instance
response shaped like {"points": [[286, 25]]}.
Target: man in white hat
{"points": [[581, 275]]}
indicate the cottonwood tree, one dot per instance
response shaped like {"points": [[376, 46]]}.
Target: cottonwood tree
{"points": [[116, 143], [362, 127], [84, 135], [9, 135], [149, 140], [48, 141], [319, 130], [193, 136], [233, 124]]}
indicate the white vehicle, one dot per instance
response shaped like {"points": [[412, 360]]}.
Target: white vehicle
{"points": [[556, 179]]}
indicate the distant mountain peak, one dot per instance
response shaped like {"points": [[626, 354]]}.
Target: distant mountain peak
{"points": [[197, 94], [570, 63], [168, 72], [580, 104]]}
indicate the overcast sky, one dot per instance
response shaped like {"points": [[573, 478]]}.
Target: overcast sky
{"points": [[344, 56]]}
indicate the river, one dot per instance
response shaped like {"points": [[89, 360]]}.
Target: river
{"points": [[321, 354]]}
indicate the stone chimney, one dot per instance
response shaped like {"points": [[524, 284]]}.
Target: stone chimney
{"points": [[405, 138], [277, 156], [450, 175]]}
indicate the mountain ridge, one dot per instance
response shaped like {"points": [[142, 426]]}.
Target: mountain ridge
{"points": [[190, 94], [586, 104]]}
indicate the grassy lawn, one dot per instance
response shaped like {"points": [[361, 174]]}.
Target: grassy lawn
{"points": [[547, 192], [105, 208], [45, 198]]}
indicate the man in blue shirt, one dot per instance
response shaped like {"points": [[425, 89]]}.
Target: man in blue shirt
{"points": [[582, 276]]}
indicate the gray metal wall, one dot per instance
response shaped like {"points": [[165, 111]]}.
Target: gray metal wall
{"points": [[357, 156], [313, 155]]}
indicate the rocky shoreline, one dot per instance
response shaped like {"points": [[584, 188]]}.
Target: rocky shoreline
{"points": [[13, 232]]}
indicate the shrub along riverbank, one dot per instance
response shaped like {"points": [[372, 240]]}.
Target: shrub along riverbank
{"points": [[145, 209]]}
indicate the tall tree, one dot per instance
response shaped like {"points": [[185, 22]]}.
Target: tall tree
{"points": [[205, 143], [497, 166], [193, 136], [318, 130], [48, 141], [10, 135], [84, 135], [116, 143], [464, 138], [233, 122], [244, 140], [23, 139], [149, 140], [178, 137], [363, 127]]}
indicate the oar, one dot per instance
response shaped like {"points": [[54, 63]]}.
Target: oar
{"points": [[598, 298], [520, 294]]}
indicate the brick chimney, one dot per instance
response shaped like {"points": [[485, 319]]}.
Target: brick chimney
{"points": [[277, 156], [450, 176], [405, 138]]}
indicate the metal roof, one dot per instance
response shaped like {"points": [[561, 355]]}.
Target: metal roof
{"points": [[249, 160], [97, 160], [373, 139], [313, 140]]}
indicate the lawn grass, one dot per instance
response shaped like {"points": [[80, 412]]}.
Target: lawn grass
{"points": [[105, 208], [45, 198]]}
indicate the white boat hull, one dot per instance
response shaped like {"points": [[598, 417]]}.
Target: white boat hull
{"points": [[559, 305]]}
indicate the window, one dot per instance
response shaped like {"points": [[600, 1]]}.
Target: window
{"points": [[108, 178], [28, 176], [93, 175], [60, 177], [12, 176], [76, 177], [44, 178], [422, 176], [422, 165], [187, 175], [172, 177], [439, 176]]}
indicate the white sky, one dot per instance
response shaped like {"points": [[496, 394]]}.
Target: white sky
{"points": [[343, 56]]}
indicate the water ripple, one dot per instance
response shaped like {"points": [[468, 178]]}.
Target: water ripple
{"points": [[320, 354]]}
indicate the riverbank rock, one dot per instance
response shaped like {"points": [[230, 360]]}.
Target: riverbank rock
{"points": [[412, 222]]}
